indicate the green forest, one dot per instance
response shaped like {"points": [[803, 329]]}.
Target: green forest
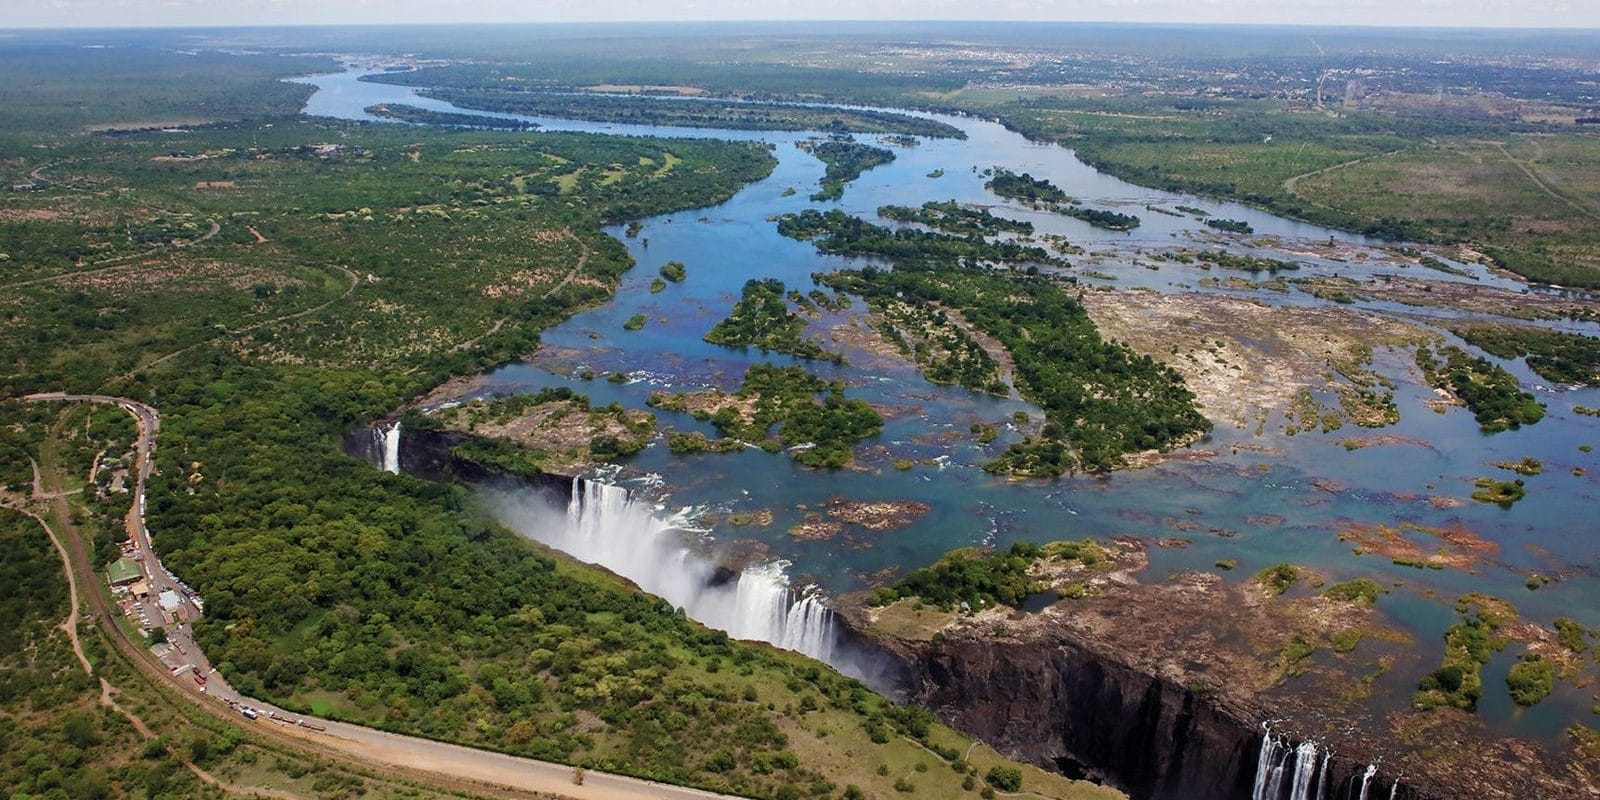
{"points": [[290, 280]]}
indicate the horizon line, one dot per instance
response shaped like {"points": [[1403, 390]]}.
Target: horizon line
{"points": [[794, 21]]}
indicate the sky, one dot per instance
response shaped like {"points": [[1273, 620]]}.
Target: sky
{"points": [[162, 13]]}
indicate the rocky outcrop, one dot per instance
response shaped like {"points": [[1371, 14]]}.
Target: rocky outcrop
{"points": [[1062, 706], [428, 454]]}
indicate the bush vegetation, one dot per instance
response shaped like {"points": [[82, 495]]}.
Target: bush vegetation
{"points": [[762, 319], [839, 233], [1364, 590], [976, 580], [953, 218], [1468, 645], [1530, 679], [1491, 393]]}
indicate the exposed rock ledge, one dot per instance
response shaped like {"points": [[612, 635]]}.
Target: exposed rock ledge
{"points": [[1150, 688]]}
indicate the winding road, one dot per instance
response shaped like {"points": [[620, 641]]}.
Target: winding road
{"points": [[424, 759]]}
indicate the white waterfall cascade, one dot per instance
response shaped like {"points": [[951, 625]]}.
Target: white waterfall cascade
{"points": [[1275, 755], [389, 444], [1305, 771], [1366, 779], [1327, 776], [604, 526], [1298, 772]]}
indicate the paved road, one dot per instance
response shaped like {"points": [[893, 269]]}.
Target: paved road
{"points": [[341, 740]]}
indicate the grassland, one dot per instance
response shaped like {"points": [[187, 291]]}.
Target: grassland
{"points": [[1526, 199]]}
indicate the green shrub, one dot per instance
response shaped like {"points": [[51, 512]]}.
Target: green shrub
{"points": [[1278, 579], [1362, 589], [1530, 679], [1006, 779]]}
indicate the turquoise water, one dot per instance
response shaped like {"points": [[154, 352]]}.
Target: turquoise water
{"points": [[1219, 503]]}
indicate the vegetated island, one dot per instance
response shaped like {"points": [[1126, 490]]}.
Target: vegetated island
{"points": [[1557, 356], [552, 431], [1226, 259], [447, 119], [1041, 193], [954, 218], [1487, 390], [839, 233], [819, 432], [1101, 400], [1230, 225], [845, 161], [646, 110], [761, 318]]}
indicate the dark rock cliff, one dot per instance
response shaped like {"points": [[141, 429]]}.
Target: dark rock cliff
{"points": [[1061, 706], [427, 454]]}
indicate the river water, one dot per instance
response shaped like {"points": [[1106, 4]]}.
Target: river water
{"points": [[1284, 504]]}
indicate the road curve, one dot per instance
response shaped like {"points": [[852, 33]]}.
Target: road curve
{"points": [[455, 764]]}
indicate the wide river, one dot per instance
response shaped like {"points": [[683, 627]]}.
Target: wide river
{"points": [[1275, 499]]}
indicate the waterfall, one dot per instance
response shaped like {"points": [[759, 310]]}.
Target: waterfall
{"points": [[389, 446], [604, 526], [1305, 769], [1299, 763], [1327, 776], [1275, 753], [1394, 789], [1366, 779]]}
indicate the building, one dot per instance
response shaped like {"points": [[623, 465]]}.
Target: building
{"points": [[124, 571]]}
